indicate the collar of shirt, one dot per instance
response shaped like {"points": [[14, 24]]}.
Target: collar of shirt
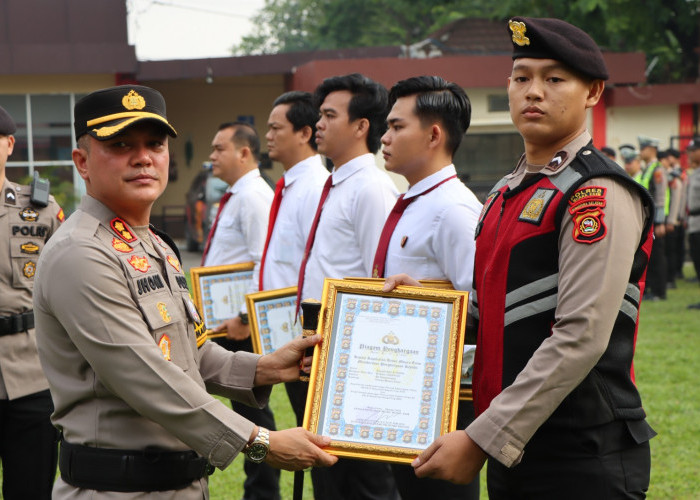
{"points": [[560, 160], [430, 181], [301, 169], [353, 166], [244, 181]]}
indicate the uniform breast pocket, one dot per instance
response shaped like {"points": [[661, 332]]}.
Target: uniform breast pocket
{"points": [[24, 253], [168, 326], [416, 266], [287, 248]]}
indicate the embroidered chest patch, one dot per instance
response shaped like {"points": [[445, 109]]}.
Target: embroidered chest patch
{"points": [[120, 246], [165, 344], [174, 262], [586, 208], [139, 263], [537, 205]]}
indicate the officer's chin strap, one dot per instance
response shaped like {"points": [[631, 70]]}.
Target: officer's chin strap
{"points": [[310, 311]]}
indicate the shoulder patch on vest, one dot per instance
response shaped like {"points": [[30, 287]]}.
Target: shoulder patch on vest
{"points": [[537, 205], [586, 207]]}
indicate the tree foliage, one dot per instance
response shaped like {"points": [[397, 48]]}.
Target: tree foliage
{"points": [[667, 31]]}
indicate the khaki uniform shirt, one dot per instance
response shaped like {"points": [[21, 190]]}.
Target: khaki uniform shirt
{"points": [[116, 336], [24, 229], [592, 283]]}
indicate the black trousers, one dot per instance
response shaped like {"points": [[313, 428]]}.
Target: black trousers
{"points": [[680, 251], [656, 273], [694, 247], [262, 481], [671, 255], [600, 463], [412, 488], [28, 447]]}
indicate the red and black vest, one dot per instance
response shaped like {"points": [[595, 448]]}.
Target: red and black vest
{"points": [[516, 274]]}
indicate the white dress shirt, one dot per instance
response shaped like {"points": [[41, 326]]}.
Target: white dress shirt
{"points": [[242, 228], [351, 222], [434, 239], [303, 184]]}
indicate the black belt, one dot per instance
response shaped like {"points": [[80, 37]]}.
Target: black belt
{"points": [[105, 469], [17, 323]]}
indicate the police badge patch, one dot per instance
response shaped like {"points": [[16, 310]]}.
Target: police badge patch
{"points": [[586, 208], [536, 206]]}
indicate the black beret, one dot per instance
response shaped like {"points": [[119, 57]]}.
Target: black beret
{"points": [[693, 144], [7, 124], [608, 151], [544, 38], [673, 152], [107, 112]]}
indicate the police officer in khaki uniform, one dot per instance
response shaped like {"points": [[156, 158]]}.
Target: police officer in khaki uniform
{"points": [[121, 342], [27, 439], [561, 251]]}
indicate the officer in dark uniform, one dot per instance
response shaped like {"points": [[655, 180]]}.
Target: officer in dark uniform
{"points": [[562, 246], [28, 217]]}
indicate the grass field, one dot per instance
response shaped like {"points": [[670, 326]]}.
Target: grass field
{"points": [[666, 364]]}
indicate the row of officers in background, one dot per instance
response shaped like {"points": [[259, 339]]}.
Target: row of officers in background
{"points": [[676, 192]]}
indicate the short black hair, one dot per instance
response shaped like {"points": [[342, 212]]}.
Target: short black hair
{"points": [[438, 99], [301, 113], [244, 135], [661, 155], [673, 152], [369, 100]]}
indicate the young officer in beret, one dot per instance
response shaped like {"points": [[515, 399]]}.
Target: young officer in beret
{"points": [[27, 438], [561, 252], [122, 344]]}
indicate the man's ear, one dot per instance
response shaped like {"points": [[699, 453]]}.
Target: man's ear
{"points": [[362, 127], [80, 157], [595, 92]]}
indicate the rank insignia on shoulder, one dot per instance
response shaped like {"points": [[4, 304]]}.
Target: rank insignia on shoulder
{"points": [[30, 248], [60, 215], [10, 196], [163, 310], [29, 215], [536, 206], [164, 344], [139, 263], [29, 269], [120, 246], [174, 262], [120, 227]]}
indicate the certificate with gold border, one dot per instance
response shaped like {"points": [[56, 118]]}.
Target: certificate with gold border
{"points": [[219, 291], [271, 315], [384, 382]]}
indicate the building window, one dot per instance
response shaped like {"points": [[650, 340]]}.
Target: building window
{"points": [[498, 103], [482, 159], [43, 142]]}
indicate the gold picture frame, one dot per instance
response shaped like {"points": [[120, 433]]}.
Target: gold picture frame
{"points": [[271, 318], [219, 292], [384, 382]]}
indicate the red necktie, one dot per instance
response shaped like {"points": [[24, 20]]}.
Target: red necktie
{"points": [[390, 225], [276, 201], [310, 240], [222, 202]]}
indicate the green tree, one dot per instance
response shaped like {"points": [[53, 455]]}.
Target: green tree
{"points": [[668, 31]]}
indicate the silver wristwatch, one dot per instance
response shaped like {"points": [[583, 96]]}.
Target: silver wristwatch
{"points": [[257, 450]]}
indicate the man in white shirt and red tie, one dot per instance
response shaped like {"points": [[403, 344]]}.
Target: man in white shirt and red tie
{"points": [[290, 141], [430, 232], [238, 235], [343, 237]]}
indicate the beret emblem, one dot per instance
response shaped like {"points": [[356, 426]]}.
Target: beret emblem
{"points": [[518, 28], [133, 100]]}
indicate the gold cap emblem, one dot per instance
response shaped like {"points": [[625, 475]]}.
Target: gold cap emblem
{"points": [[518, 28], [133, 100]]}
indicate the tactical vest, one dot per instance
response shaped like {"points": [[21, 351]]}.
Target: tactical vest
{"points": [[516, 278], [645, 180]]}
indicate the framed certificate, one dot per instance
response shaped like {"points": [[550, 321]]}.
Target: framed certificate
{"points": [[271, 316], [219, 291], [444, 284], [385, 380]]}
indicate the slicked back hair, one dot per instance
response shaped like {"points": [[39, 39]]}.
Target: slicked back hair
{"points": [[369, 100], [301, 113], [437, 100], [244, 135]]}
